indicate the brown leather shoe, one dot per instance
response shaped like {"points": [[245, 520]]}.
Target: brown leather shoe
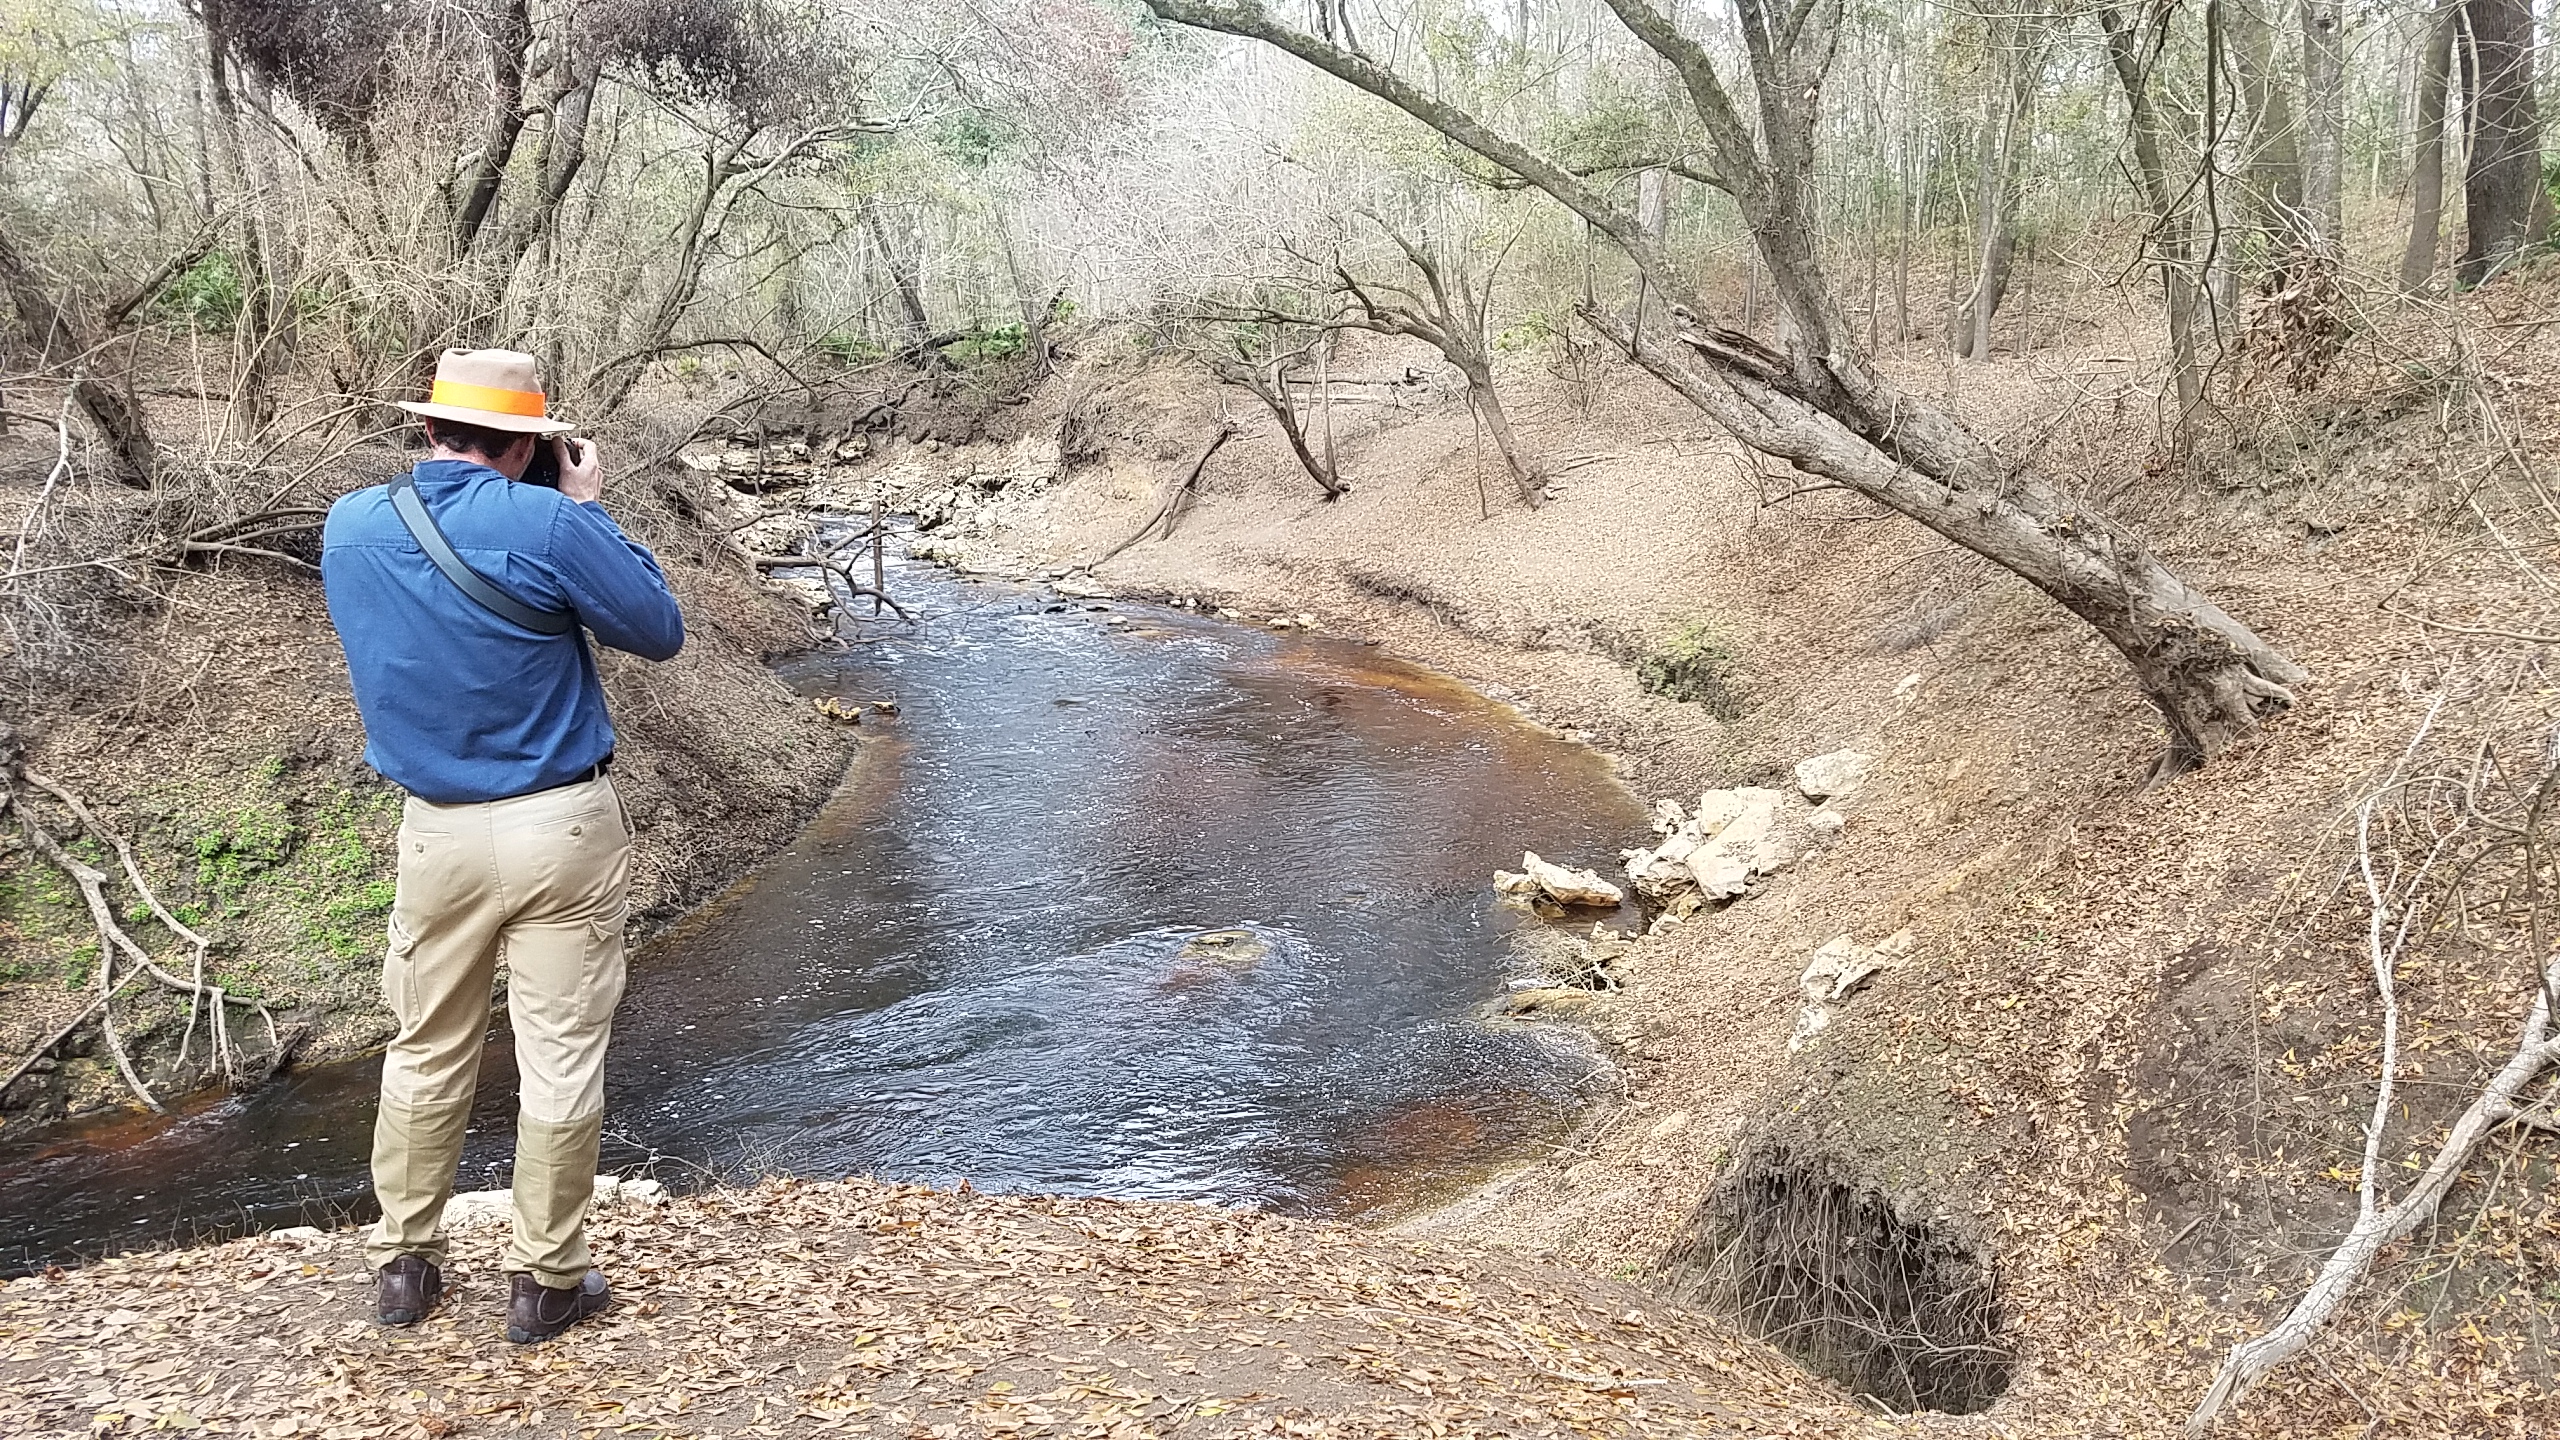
{"points": [[536, 1311], [406, 1289]]}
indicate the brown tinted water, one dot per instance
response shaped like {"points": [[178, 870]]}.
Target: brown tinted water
{"points": [[1174, 909]]}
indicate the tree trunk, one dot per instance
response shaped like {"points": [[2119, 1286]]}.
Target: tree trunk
{"points": [[510, 34], [2426, 178], [903, 279], [2273, 163], [57, 331], [2324, 122], [2498, 192], [2007, 140], [1525, 474], [1821, 406], [2172, 234], [1269, 381], [253, 328]]}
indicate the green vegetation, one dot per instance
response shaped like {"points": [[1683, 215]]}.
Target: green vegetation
{"points": [[207, 295], [289, 875], [1694, 667], [985, 345], [232, 849]]}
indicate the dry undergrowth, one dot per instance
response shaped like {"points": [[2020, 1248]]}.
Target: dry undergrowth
{"points": [[868, 1309]]}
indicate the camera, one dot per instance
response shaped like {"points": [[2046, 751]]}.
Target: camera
{"points": [[545, 469]]}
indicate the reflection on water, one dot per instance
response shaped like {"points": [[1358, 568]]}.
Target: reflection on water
{"points": [[1175, 909]]}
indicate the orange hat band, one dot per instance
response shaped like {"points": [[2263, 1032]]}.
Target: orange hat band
{"points": [[487, 397]]}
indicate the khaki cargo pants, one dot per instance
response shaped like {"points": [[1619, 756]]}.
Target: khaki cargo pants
{"points": [[541, 882]]}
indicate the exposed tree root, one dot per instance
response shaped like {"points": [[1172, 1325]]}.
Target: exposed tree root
{"points": [[205, 999]]}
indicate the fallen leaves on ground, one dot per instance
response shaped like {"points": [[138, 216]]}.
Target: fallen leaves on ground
{"points": [[861, 1308]]}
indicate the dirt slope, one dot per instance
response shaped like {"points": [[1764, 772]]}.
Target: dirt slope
{"points": [[2125, 1068]]}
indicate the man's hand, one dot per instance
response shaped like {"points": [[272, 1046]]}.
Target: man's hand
{"points": [[581, 470]]}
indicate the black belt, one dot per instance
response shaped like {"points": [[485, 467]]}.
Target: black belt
{"points": [[596, 771]]}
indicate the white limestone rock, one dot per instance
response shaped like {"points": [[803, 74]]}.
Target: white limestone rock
{"points": [[1833, 776], [1567, 887]]}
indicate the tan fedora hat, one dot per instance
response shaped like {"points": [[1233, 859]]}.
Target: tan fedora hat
{"points": [[495, 388]]}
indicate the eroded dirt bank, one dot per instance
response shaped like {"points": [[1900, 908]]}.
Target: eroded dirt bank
{"points": [[205, 716], [2104, 1120]]}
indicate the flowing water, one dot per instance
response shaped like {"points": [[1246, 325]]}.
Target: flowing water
{"points": [[1126, 902]]}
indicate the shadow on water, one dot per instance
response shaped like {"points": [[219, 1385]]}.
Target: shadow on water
{"points": [[1167, 908]]}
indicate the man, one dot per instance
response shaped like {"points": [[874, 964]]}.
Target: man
{"points": [[460, 620]]}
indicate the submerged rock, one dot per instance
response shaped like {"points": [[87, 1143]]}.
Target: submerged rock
{"points": [[1227, 949], [1552, 1002]]}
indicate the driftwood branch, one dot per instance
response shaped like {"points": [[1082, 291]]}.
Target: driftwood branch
{"points": [[1166, 512], [45, 1046], [206, 999], [835, 566], [2378, 1225]]}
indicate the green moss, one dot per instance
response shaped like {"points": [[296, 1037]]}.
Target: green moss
{"points": [[236, 847], [1696, 668], [287, 872]]}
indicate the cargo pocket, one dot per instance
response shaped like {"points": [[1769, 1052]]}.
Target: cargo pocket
{"points": [[400, 972], [604, 968]]}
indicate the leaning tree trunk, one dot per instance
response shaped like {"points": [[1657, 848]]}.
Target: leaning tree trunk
{"points": [[2172, 236], [1525, 474], [2426, 178], [57, 330], [2498, 193], [1821, 406], [1269, 380], [904, 282]]}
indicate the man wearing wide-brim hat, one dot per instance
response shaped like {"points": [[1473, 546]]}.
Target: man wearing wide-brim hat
{"points": [[463, 597]]}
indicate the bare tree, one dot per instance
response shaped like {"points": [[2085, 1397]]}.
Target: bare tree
{"points": [[70, 340], [2134, 47], [1266, 364], [2016, 39], [1819, 404], [2426, 175], [1448, 313]]}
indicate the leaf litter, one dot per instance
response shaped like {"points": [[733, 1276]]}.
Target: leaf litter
{"points": [[866, 1308]]}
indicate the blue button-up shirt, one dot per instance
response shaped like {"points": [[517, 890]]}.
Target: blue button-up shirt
{"points": [[460, 704]]}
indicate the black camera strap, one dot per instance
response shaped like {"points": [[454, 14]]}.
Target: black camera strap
{"points": [[412, 510]]}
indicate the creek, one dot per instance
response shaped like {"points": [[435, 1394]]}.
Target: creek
{"points": [[1123, 901]]}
